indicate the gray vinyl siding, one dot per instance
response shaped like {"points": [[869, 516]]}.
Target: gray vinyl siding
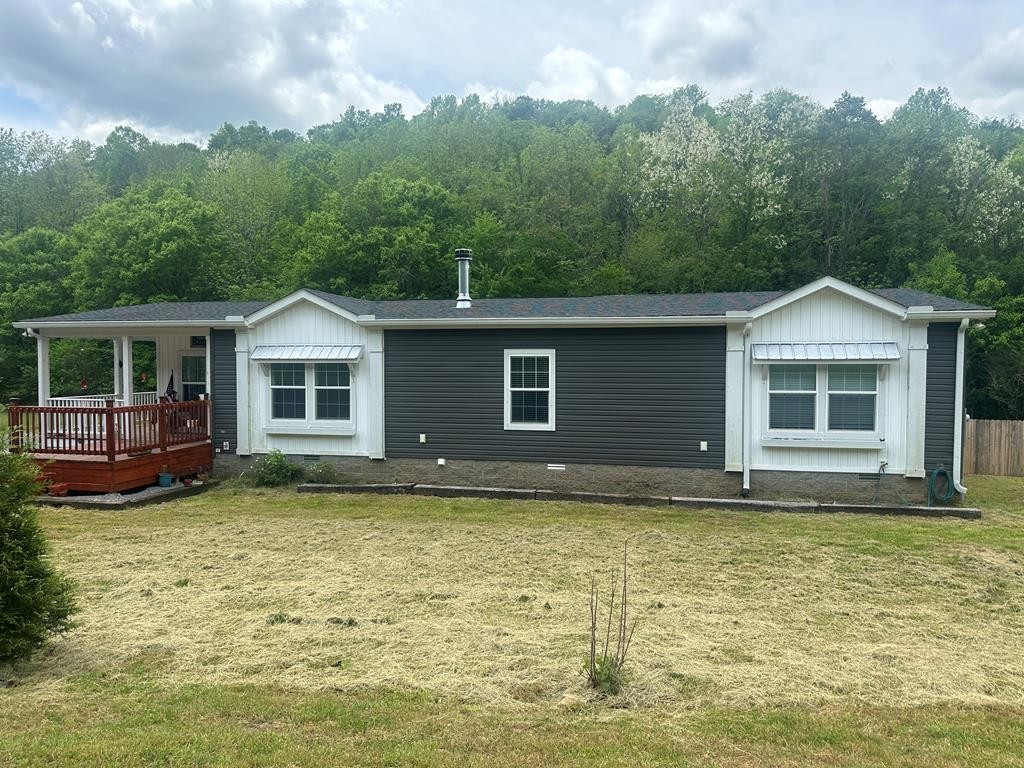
{"points": [[623, 396], [940, 396], [222, 382]]}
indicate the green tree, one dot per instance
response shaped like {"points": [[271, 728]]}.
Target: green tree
{"points": [[35, 601], [151, 244]]}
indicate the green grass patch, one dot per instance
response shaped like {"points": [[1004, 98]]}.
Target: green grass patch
{"points": [[244, 627]]}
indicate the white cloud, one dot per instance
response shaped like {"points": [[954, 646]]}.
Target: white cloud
{"points": [[569, 73], [182, 67], [716, 40], [883, 108]]}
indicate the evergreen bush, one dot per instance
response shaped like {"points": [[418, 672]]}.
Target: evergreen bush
{"points": [[35, 601]]}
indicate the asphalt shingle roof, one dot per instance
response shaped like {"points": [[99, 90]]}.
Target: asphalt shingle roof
{"points": [[636, 305], [198, 312]]}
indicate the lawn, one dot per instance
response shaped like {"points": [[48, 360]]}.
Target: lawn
{"points": [[269, 628]]}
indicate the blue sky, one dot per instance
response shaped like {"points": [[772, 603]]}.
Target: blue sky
{"points": [[178, 68]]}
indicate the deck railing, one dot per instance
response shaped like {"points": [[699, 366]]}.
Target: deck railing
{"points": [[109, 430], [99, 401]]}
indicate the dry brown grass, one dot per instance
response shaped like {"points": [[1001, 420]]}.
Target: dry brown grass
{"points": [[487, 601]]}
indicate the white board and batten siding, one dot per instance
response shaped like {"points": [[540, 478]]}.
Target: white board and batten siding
{"points": [[305, 323], [831, 316]]}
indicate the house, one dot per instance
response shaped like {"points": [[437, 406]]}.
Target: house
{"points": [[825, 391]]}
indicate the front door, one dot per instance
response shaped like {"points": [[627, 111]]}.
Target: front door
{"points": [[193, 376]]}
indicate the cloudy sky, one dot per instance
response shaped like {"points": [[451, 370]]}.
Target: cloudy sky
{"points": [[179, 68]]}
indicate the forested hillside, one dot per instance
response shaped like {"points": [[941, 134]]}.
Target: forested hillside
{"points": [[666, 194]]}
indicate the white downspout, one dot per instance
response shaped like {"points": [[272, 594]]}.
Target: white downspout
{"points": [[958, 408], [745, 491]]}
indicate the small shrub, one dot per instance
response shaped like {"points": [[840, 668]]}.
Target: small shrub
{"points": [[35, 601], [273, 469], [322, 472], [603, 667]]}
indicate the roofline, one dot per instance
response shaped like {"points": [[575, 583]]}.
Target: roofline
{"points": [[371, 321], [859, 294], [938, 315], [506, 322], [86, 324], [303, 294]]}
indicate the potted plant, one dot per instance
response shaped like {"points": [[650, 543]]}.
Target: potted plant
{"points": [[165, 478]]}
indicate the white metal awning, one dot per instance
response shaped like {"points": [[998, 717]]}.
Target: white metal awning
{"points": [[335, 353], [812, 352]]}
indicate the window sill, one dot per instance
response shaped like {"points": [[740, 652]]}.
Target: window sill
{"points": [[341, 429], [857, 444], [529, 427]]}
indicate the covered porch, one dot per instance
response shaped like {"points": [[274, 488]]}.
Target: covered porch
{"points": [[180, 361], [110, 447], [122, 428]]}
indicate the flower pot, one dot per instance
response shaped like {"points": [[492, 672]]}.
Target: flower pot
{"points": [[58, 489], [186, 481], [164, 479]]}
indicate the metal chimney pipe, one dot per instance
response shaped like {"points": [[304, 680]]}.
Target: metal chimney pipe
{"points": [[463, 256]]}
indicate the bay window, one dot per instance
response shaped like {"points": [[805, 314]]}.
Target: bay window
{"points": [[307, 391], [820, 398]]}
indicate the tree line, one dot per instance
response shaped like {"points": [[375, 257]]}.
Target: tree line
{"points": [[669, 193]]}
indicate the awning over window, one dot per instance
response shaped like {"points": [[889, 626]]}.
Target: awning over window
{"points": [[855, 351], [335, 353]]}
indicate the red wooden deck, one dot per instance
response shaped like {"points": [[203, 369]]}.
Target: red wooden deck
{"points": [[112, 448]]}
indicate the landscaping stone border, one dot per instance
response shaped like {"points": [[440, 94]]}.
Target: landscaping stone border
{"points": [[151, 495], [691, 502]]}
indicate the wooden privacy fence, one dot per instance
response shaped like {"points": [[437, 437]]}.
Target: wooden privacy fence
{"points": [[994, 447]]}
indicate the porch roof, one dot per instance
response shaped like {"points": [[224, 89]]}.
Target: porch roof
{"points": [[178, 312]]}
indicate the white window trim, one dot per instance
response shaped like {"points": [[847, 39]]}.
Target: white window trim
{"points": [[828, 404], [529, 427], [310, 424], [814, 393], [346, 387], [821, 436]]}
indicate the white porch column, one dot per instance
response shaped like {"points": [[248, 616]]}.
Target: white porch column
{"points": [[127, 368], [917, 383], [117, 368], [243, 418], [43, 369]]}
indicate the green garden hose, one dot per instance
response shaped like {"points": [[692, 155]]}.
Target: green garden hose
{"points": [[933, 485]]}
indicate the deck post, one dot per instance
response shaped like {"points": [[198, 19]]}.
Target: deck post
{"points": [[111, 435], [14, 424], [161, 425]]}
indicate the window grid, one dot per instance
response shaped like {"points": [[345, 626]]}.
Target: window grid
{"points": [[529, 395], [333, 391], [852, 397], [288, 390], [846, 396], [792, 390]]}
